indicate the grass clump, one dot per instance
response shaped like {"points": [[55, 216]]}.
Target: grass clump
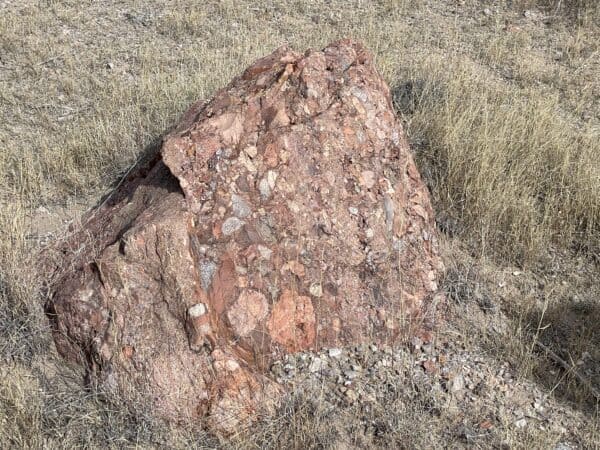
{"points": [[580, 9], [505, 162]]}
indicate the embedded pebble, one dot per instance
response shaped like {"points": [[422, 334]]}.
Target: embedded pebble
{"points": [[264, 188], [251, 151], [197, 310], [231, 225], [388, 206], [265, 252], [367, 179], [240, 206], [316, 290], [272, 178], [207, 271]]}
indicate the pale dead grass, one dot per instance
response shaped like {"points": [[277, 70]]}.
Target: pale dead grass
{"points": [[502, 112], [505, 162], [580, 10]]}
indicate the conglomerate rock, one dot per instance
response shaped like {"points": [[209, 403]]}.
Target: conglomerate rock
{"points": [[284, 215]]}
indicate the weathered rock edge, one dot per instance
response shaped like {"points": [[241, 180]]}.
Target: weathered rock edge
{"points": [[284, 215]]}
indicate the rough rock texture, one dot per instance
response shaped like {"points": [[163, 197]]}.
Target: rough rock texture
{"points": [[284, 215]]}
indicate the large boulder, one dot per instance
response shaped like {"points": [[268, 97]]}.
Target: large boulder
{"points": [[286, 214]]}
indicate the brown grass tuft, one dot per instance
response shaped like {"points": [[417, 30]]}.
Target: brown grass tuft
{"points": [[505, 162]]}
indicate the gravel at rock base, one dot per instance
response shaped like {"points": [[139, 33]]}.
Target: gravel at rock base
{"points": [[482, 397]]}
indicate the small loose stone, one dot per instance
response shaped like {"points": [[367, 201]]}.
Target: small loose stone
{"points": [[351, 395], [521, 423], [335, 352], [316, 365], [351, 374]]}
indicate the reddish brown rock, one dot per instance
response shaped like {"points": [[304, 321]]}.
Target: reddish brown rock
{"points": [[292, 322], [285, 214]]}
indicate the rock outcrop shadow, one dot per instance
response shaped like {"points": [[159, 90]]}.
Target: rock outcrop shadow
{"points": [[567, 352], [556, 347]]}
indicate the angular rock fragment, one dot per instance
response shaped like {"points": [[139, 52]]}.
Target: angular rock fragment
{"points": [[286, 214]]}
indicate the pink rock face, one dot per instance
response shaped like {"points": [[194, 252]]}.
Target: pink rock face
{"points": [[248, 312], [286, 214], [292, 322]]}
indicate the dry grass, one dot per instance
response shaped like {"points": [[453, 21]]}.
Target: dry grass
{"points": [[505, 163], [510, 312], [502, 111], [582, 10]]}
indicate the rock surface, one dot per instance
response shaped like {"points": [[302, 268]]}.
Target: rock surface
{"points": [[284, 215]]}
